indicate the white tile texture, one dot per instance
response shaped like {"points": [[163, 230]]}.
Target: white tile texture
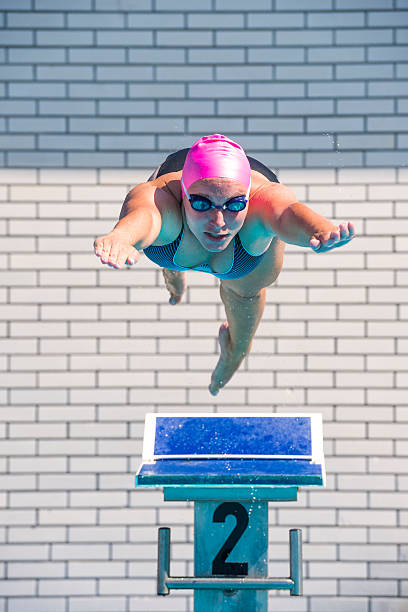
{"points": [[94, 94]]}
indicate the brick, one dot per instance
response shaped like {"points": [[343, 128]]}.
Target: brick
{"points": [[186, 108], [335, 124], [16, 73], [305, 142], [67, 142], [210, 125], [35, 20], [38, 362], [96, 159], [363, 4], [334, 159], [368, 587], [385, 88], [387, 18], [67, 587], [65, 73], [97, 90], [157, 90], [341, 89], [258, 38], [274, 90], [277, 55], [96, 56], [217, 21], [31, 124], [387, 124], [336, 54], [364, 71], [119, 107], [233, 5], [304, 37], [358, 604], [338, 570], [295, 107], [75, 5], [351, 19], [184, 73], [17, 587], [274, 19], [37, 56], [70, 107], [386, 158], [304, 73], [36, 570], [124, 73], [275, 125], [111, 5], [162, 124], [38, 294], [249, 107], [17, 107], [376, 36], [390, 54], [67, 38], [189, 39], [216, 56], [123, 143], [37, 159], [182, 5], [96, 20], [20, 5], [243, 73], [368, 141], [14, 38], [17, 142], [96, 125], [156, 56]]}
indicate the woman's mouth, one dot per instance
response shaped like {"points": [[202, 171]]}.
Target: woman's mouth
{"points": [[216, 237]]}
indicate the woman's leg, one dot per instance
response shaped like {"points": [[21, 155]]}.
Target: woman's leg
{"points": [[175, 281], [244, 302]]}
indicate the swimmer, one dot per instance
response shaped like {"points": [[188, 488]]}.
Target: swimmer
{"points": [[213, 209]]}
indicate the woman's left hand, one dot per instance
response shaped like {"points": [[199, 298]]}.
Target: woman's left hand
{"points": [[331, 240]]}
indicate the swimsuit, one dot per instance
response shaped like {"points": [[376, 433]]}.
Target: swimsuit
{"points": [[242, 261]]}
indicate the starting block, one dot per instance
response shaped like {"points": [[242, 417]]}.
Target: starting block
{"points": [[231, 466]]}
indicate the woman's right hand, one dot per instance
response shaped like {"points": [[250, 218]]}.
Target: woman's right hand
{"points": [[115, 251]]}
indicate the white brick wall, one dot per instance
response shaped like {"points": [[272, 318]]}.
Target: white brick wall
{"points": [[94, 94]]}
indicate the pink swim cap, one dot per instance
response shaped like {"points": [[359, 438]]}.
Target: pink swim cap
{"points": [[216, 156]]}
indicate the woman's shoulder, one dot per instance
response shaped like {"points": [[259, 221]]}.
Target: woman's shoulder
{"points": [[167, 198], [264, 192]]}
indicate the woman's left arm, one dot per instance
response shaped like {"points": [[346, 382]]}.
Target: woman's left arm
{"points": [[296, 223]]}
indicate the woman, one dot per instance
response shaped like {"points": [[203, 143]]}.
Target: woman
{"points": [[213, 209]]}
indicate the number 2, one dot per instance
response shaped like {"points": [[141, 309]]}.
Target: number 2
{"points": [[219, 565]]}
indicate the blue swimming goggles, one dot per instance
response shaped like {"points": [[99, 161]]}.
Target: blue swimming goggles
{"points": [[201, 203]]}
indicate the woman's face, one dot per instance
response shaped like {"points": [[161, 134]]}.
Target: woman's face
{"points": [[215, 228]]}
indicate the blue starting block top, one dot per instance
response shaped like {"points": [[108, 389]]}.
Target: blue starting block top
{"points": [[232, 449]]}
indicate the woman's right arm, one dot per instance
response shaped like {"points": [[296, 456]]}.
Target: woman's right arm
{"points": [[139, 225]]}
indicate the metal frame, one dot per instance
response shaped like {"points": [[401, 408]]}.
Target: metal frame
{"points": [[165, 581]]}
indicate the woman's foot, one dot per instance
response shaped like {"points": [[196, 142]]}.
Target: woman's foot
{"points": [[228, 363], [175, 281]]}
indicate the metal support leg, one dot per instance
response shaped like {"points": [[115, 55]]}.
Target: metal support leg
{"points": [[163, 561], [296, 561]]}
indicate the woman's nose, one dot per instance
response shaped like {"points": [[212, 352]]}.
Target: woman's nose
{"points": [[217, 216]]}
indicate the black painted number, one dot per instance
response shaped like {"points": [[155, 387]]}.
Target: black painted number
{"points": [[219, 565]]}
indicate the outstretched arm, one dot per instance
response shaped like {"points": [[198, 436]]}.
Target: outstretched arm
{"points": [[139, 225], [296, 223]]}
